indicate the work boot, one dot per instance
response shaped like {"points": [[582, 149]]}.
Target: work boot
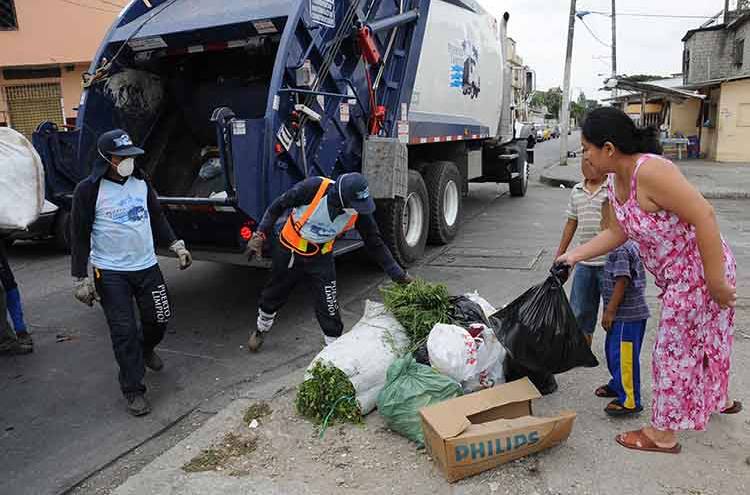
{"points": [[9, 346], [138, 405], [263, 326], [153, 361], [25, 342], [255, 341]]}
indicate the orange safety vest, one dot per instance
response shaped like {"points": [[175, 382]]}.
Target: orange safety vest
{"points": [[291, 236]]}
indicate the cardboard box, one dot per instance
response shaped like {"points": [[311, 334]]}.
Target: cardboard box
{"points": [[476, 432]]}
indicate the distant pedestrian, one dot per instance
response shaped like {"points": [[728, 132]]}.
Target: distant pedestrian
{"points": [[18, 342], [115, 219], [584, 218], [680, 244], [624, 319]]}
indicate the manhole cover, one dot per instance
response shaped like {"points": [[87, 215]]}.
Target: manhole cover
{"points": [[498, 259]]}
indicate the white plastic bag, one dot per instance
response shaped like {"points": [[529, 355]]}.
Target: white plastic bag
{"points": [[477, 363], [21, 181], [490, 363], [452, 351], [366, 351]]}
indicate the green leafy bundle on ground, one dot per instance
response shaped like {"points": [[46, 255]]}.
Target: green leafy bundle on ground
{"points": [[328, 394], [418, 306]]}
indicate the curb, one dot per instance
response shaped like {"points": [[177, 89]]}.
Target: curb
{"points": [[709, 194], [557, 182]]}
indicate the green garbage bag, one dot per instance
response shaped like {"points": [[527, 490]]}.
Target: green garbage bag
{"points": [[410, 386]]}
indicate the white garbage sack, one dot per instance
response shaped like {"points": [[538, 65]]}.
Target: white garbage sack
{"points": [[21, 181], [366, 351], [490, 367]]}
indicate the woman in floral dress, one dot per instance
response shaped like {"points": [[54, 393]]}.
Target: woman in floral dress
{"points": [[680, 244]]}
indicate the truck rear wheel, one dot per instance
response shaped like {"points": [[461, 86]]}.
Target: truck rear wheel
{"points": [[404, 222], [443, 186], [519, 185]]}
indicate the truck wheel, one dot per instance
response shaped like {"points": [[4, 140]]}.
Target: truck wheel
{"points": [[404, 223], [518, 185], [443, 185], [62, 231]]}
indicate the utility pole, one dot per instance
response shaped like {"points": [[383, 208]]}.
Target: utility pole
{"points": [[565, 110], [614, 45]]}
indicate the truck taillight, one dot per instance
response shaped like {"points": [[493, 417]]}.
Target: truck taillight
{"points": [[246, 232]]}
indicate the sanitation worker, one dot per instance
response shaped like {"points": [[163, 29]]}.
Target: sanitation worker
{"points": [[320, 211], [115, 220]]}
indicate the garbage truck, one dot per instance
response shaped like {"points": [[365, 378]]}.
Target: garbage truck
{"points": [[236, 101]]}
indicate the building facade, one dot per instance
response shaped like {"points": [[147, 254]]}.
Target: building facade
{"points": [[522, 82], [717, 64], [45, 47]]}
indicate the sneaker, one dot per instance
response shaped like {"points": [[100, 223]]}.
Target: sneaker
{"points": [[153, 361], [25, 341], [138, 405], [255, 341]]}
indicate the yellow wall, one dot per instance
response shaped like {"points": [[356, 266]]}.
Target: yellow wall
{"points": [[684, 117], [635, 108], [733, 122]]}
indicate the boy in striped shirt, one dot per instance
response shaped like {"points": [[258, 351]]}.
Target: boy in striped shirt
{"points": [[624, 320], [584, 218]]}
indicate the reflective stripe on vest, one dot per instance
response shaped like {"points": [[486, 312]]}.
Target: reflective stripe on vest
{"points": [[291, 235]]}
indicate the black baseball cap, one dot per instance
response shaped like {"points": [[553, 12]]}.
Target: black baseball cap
{"points": [[355, 193], [118, 143]]}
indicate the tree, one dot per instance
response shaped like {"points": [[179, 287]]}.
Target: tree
{"points": [[579, 108], [551, 99]]}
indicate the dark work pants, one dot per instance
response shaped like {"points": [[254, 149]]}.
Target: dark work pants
{"points": [[319, 272], [6, 275], [131, 341]]}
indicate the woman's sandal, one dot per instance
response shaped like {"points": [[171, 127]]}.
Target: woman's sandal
{"points": [[605, 392], [615, 409], [637, 440], [733, 409]]}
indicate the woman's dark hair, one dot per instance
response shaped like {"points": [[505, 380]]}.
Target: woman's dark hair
{"points": [[611, 124]]}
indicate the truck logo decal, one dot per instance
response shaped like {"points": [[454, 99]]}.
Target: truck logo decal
{"points": [[464, 68]]}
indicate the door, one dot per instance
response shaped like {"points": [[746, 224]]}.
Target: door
{"points": [[31, 104]]}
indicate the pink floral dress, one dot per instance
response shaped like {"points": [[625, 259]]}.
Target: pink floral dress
{"points": [[691, 356]]}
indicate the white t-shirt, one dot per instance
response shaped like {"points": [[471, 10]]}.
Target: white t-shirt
{"points": [[586, 207]]}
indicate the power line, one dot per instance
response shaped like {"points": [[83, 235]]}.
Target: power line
{"points": [[668, 16], [90, 7], [593, 34]]}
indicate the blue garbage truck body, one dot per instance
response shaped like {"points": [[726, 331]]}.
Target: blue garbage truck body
{"points": [[236, 101]]}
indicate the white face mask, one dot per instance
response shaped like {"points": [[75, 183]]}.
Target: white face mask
{"points": [[125, 168]]}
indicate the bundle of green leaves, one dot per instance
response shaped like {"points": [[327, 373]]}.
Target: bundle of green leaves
{"points": [[418, 306], [328, 394]]}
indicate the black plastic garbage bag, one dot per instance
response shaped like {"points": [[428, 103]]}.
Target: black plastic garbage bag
{"points": [[465, 312], [540, 331]]}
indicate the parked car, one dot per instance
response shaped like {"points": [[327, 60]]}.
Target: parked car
{"points": [[555, 132], [540, 134]]}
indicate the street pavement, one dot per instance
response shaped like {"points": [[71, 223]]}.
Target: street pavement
{"points": [[62, 419]]}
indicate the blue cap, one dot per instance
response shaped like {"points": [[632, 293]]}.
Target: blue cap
{"points": [[118, 143], [354, 193]]}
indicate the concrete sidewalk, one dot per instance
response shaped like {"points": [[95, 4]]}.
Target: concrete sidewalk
{"points": [[714, 180]]}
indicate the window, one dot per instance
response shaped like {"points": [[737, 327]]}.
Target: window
{"points": [[8, 19], [738, 54], [686, 65]]}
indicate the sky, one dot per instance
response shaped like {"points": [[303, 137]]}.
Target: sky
{"points": [[644, 45]]}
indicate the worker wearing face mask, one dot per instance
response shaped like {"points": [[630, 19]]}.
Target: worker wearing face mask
{"points": [[320, 211], [115, 221]]}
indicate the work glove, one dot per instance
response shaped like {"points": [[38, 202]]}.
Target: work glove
{"points": [[178, 248], [405, 280], [84, 291], [255, 245]]}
